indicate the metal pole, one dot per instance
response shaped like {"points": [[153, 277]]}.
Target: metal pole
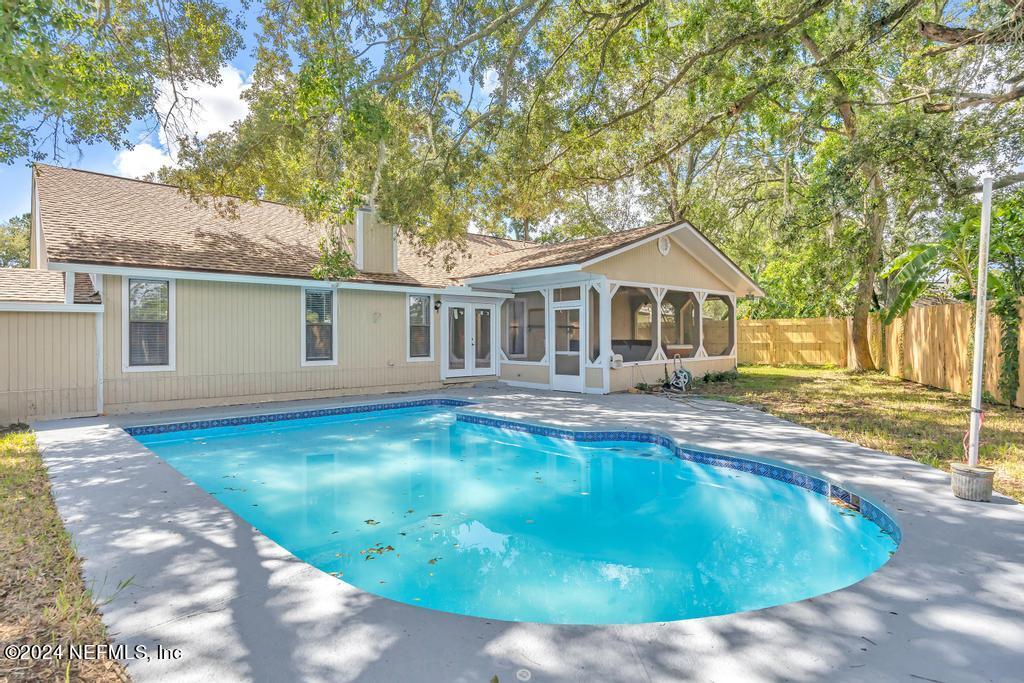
{"points": [[980, 316]]}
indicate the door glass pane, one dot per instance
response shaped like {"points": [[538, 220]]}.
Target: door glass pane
{"points": [[456, 338], [567, 294], [567, 329], [483, 338]]}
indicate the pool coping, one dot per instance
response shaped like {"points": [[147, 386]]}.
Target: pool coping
{"points": [[734, 460], [243, 608]]}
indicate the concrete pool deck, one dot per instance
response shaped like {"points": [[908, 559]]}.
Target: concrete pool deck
{"points": [[172, 567]]}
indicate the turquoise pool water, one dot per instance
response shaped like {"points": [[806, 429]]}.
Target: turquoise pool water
{"points": [[415, 506]]}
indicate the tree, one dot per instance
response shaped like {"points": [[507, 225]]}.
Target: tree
{"points": [[14, 251], [75, 72], [799, 133]]}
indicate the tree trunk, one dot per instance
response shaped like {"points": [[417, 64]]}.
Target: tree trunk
{"points": [[874, 221]]}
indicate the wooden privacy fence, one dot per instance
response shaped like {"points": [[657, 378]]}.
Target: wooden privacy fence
{"points": [[793, 341], [929, 345]]}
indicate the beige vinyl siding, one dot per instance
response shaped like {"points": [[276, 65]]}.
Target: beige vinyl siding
{"points": [[378, 246], [47, 365], [630, 375], [535, 373], [239, 343], [644, 263]]}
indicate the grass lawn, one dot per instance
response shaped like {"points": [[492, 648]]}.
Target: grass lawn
{"points": [[43, 600], [884, 413]]}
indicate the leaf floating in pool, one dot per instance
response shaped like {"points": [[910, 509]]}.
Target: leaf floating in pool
{"points": [[371, 522], [375, 551], [437, 514], [409, 511], [433, 560], [231, 488], [402, 533]]}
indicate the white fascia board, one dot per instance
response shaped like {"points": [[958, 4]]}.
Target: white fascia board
{"points": [[40, 307], [129, 271], [517, 274], [456, 290], [757, 291]]}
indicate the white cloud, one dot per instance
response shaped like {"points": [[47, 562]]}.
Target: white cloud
{"points": [[490, 83], [202, 109], [141, 160]]}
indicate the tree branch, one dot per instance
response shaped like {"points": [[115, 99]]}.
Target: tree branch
{"points": [[975, 100], [998, 184]]}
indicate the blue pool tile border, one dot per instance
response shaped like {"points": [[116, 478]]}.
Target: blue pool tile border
{"points": [[147, 430], [817, 485]]}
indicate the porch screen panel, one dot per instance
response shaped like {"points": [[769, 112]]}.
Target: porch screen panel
{"points": [[594, 328], [523, 327], [679, 325], [717, 321], [148, 323], [633, 324], [319, 324], [419, 326]]}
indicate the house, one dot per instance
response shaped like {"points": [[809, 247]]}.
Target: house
{"points": [[140, 299]]}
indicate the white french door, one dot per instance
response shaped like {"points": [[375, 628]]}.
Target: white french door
{"points": [[467, 340]]}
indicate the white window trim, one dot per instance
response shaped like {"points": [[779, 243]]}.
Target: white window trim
{"points": [[409, 358], [172, 314], [302, 328]]}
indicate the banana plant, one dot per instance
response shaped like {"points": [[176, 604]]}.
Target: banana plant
{"points": [[922, 266]]}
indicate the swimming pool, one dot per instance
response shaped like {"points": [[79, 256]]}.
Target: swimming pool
{"points": [[435, 506]]}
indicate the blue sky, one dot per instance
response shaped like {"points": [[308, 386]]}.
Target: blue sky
{"points": [[220, 106]]}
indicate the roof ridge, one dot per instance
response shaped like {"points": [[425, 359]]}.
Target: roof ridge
{"points": [[503, 239]]}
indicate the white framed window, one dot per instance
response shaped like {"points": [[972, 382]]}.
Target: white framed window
{"points": [[319, 331], [419, 330], [147, 324]]}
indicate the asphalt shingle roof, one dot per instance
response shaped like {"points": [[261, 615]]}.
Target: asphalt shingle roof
{"points": [[93, 218], [27, 285]]}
